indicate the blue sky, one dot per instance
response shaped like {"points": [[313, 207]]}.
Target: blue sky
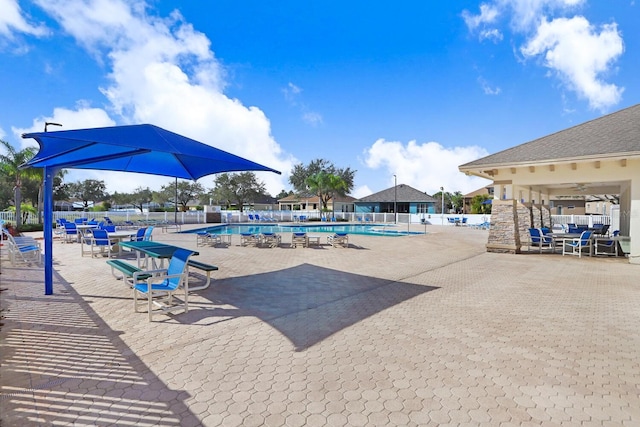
{"points": [[413, 89]]}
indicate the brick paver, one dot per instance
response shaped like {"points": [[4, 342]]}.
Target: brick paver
{"points": [[419, 330]]}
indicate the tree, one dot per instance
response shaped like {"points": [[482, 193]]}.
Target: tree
{"points": [[89, 190], [326, 186], [240, 188], [478, 206], [284, 193], [33, 188], [457, 200], [140, 197], [10, 168], [447, 201], [187, 191], [300, 173]]}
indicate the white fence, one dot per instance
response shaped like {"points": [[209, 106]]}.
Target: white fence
{"points": [[198, 217]]}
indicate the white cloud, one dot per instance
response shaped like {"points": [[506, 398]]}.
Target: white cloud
{"points": [[580, 56], [487, 89], [526, 14], [572, 47], [12, 21], [488, 15], [427, 166], [292, 94], [492, 34], [164, 72]]}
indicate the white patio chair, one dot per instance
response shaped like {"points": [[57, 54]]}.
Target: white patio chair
{"points": [[161, 287]]}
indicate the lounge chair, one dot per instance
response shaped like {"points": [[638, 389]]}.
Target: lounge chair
{"points": [[540, 240], [271, 240], [22, 250], [577, 245], [249, 239], [299, 238], [339, 239], [203, 238], [161, 287], [251, 218]]}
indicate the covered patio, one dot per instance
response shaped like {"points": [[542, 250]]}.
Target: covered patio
{"points": [[599, 157]]}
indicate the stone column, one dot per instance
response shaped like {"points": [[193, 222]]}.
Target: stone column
{"points": [[510, 222]]}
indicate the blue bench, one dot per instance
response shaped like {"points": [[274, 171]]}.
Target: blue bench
{"points": [[132, 273], [208, 268]]}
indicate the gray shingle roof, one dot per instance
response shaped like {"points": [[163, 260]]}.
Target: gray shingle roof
{"points": [[405, 194], [616, 134]]}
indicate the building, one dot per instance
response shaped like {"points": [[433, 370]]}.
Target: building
{"points": [[467, 198], [297, 202], [599, 157], [406, 198]]}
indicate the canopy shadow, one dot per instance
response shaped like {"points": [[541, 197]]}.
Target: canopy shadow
{"points": [[305, 303]]}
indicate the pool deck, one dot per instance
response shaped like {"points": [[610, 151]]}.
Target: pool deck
{"points": [[406, 331]]}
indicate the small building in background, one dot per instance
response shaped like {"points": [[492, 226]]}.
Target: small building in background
{"points": [[406, 198]]}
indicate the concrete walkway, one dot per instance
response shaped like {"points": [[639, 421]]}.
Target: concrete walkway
{"points": [[396, 331]]}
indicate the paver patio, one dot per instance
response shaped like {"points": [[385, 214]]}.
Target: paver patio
{"points": [[398, 331]]}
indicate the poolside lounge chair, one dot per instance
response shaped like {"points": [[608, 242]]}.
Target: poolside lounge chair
{"points": [[21, 250], [249, 239], [575, 246], [271, 240], [159, 289], [540, 240], [299, 238], [339, 239]]}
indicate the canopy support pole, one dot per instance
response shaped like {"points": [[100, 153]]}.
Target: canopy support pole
{"points": [[175, 204], [49, 173]]}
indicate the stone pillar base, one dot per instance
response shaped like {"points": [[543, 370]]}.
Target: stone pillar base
{"points": [[503, 249]]}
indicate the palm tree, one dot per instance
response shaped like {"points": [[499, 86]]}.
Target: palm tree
{"points": [[326, 186], [10, 167]]}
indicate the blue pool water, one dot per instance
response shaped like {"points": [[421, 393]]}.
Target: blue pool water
{"points": [[369, 229]]}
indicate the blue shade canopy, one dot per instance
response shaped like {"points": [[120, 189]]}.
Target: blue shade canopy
{"points": [[136, 148]]}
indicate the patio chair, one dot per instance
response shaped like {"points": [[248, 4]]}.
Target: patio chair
{"points": [[607, 247], [338, 239], [601, 229], [539, 240], [148, 234], [251, 218], [159, 289], [139, 237], [70, 232], [100, 243], [575, 246], [299, 238]]}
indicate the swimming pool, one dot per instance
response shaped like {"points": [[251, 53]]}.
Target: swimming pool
{"points": [[369, 229]]}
